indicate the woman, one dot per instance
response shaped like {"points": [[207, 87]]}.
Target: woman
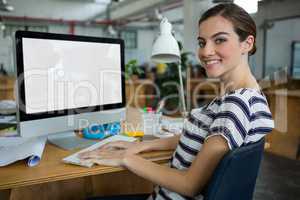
{"points": [[237, 117]]}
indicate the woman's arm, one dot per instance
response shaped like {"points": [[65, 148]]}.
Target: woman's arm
{"points": [[160, 144], [189, 182], [137, 147]]}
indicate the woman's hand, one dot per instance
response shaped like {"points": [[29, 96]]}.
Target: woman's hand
{"points": [[129, 147], [111, 154], [109, 157]]}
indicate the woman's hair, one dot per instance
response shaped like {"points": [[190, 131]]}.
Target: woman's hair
{"points": [[242, 22]]}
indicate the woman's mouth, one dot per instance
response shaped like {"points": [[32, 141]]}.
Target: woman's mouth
{"points": [[211, 63]]}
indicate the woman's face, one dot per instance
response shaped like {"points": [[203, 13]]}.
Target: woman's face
{"points": [[220, 50]]}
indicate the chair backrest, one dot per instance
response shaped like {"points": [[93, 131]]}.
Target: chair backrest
{"points": [[235, 176]]}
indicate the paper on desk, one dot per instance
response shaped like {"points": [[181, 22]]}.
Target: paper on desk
{"points": [[74, 159], [172, 125], [13, 149], [8, 107], [8, 119]]}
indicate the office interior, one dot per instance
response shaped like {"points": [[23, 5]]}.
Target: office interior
{"points": [[276, 66]]}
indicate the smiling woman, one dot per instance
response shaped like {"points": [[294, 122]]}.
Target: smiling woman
{"points": [[225, 42], [238, 117]]}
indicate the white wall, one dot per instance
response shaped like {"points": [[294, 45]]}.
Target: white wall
{"points": [[192, 10], [279, 41], [280, 36], [145, 40], [174, 14], [90, 31], [55, 9], [58, 29], [6, 56]]}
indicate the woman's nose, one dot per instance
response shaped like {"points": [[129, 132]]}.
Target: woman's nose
{"points": [[207, 50]]}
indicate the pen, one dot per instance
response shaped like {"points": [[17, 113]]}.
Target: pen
{"points": [[149, 110], [145, 109], [160, 106]]}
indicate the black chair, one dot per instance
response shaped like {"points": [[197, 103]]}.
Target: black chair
{"points": [[235, 176]]}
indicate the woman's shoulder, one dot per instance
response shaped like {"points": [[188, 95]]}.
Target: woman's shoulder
{"points": [[249, 96], [243, 98]]}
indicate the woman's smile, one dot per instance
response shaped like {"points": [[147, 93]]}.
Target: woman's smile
{"points": [[211, 63]]}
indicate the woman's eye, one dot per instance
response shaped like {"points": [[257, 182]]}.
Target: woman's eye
{"points": [[220, 40], [201, 44]]}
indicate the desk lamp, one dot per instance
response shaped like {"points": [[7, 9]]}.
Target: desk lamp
{"points": [[166, 50]]}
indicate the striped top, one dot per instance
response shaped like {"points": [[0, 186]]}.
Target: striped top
{"points": [[241, 117]]}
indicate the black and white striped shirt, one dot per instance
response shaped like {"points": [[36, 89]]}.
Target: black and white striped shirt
{"points": [[241, 117]]}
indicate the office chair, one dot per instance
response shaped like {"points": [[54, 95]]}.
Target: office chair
{"points": [[235, 176]]}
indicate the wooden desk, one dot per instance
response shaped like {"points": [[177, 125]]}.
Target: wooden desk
{"points": [[53, 179], [7, 87], [202, 91], [140, 92], [285, 137]]}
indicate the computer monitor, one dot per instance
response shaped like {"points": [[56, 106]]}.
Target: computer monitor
{"points": [[67, 82]]}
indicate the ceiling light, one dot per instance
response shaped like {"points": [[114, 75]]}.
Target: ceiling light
{"points": [[249, 6], [158, 15], [107, 1], [4, 6], [103, 1], [222, 1], [2, 27], [111, 31]]}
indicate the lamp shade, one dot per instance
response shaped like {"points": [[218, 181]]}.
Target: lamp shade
{"points": [[165, 48]]}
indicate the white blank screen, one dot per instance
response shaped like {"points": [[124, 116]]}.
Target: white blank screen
{"points": [[62, 74]]}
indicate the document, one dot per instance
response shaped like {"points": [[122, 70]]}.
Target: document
{"points": [[13, 149], [8, 107], [172, 125], [74, 159], [9, 119]]}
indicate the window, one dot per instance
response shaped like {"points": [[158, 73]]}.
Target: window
{"points": [[10, 29], [296, 59], [130, 38]]}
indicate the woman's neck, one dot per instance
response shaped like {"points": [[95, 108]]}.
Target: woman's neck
{"points": [[239, 77]]}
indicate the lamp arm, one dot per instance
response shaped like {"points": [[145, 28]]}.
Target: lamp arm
{"points": [[182, 97]]}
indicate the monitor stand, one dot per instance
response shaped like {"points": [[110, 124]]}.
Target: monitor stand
{"points": [[70, 140]]}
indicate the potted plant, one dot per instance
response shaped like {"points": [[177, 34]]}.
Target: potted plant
{"points": [[132, 70], [132, 73]]}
